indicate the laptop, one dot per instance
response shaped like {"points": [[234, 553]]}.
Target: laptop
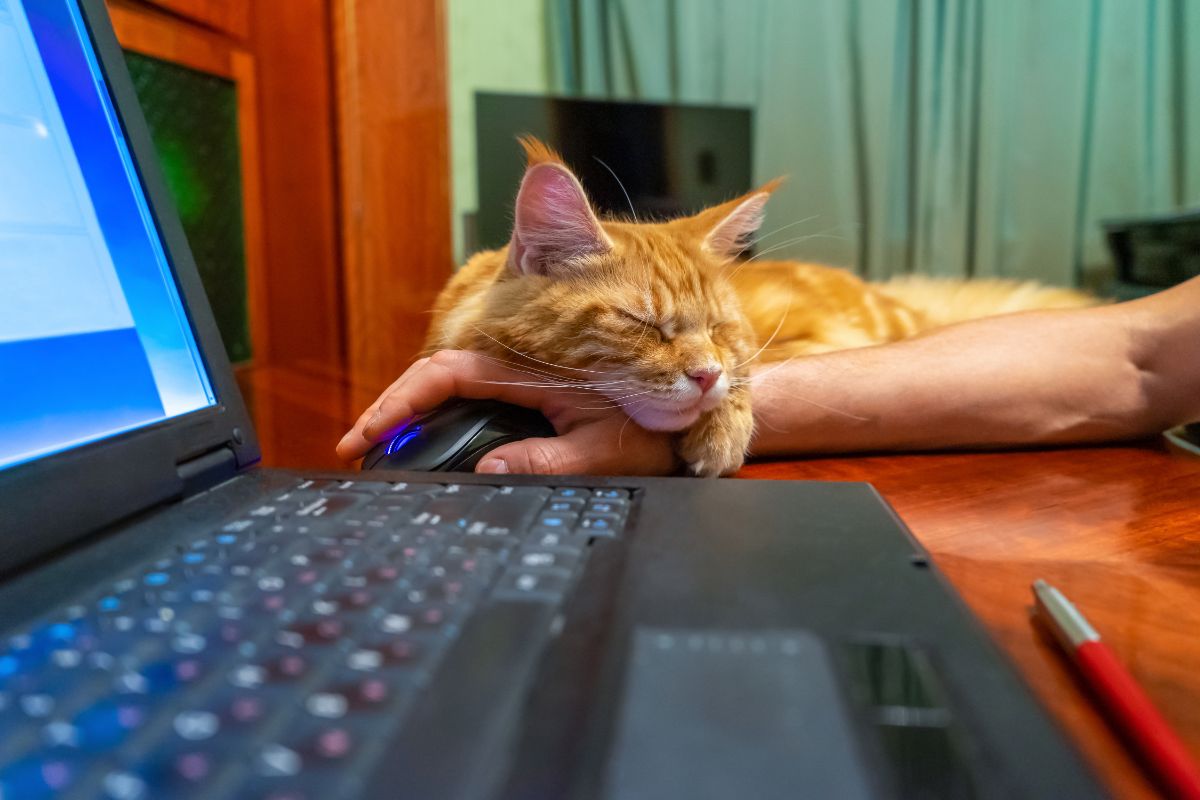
{"points": [[177, 622]]}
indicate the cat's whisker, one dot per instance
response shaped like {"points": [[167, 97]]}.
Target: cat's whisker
{"points": [[556, 388], [628, 419], [619, 399], [535, 372], [764, 236], [623, 190], [770, 338], [825, 234], [537, 360], [621, 433]]}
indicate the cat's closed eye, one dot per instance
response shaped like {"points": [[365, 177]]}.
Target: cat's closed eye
{"points": [[717, 328], [644, 323]]}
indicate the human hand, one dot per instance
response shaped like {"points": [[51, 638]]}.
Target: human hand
{"points": [[594, 436]]}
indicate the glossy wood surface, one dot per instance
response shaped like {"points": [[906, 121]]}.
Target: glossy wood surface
{"points": [[228, 16], [302, 313], [1116, 528], [395, 178], [148, 30]]}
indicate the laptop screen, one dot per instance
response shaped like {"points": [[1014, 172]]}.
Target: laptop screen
{"points": [[94, 336]]}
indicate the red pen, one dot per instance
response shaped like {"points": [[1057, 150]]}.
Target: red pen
{"points": [[1129, 708]]}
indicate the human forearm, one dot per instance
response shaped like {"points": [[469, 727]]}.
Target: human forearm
{"points": [[1046, 377]]}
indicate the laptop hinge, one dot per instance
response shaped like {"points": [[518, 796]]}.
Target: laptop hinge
{"points": [[207, 469]]}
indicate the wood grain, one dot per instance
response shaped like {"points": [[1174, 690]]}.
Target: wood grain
{"points": [[301, 296], [231, 17], [1116, 528], [395, 179], [150, 32]]}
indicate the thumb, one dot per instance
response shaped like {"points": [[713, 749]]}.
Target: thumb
{"points": [[558, 455]]}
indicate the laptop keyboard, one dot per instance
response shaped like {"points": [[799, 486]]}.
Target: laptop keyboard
{"points": [[273, 657]]}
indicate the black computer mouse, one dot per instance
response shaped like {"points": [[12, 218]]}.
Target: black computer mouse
{"points": [[456, 435]]}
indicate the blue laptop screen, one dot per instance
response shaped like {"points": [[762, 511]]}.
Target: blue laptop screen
{"points": [[94, 338]]}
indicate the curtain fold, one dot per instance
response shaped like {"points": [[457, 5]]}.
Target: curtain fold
{"points": [[952, 137]]}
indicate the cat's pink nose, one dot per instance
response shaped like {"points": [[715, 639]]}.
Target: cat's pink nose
{"points": [[705, 378]]}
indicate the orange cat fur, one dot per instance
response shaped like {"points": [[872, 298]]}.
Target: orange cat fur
{"points": [[663, 320]]}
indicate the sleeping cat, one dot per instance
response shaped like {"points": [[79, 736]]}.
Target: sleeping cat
{"points": [[663, 318]]}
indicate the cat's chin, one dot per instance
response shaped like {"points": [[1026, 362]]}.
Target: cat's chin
{"points": [[664, 419]]}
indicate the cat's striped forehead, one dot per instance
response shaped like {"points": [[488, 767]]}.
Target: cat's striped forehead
{"points": [[667, 276]]}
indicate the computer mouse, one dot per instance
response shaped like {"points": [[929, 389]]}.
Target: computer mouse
{"points": [[456, 435]]}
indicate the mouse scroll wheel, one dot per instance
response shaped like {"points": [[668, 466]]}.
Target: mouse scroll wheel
{"points": [[401, 439]]}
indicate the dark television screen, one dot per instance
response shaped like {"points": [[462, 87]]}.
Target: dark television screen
{"points": [[672, 159]]}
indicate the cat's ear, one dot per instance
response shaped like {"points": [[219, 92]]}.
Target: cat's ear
{"points": [[555, 226], [725, 230]]}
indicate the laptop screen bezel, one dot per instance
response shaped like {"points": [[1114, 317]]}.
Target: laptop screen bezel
{"points": [[58, 499]]}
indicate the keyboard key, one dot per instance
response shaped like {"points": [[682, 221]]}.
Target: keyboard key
{"points": [[122, 785], [320, 741], [178, 768], [370, 487], [600, 524], [528, 585], [608, 506], [565, 504], [328, 505], [36, 706], [561, 559], [196, 726], [363, 691], [277, 760], [327, 705], [611, 494], [241, 709], [247, 676], [316, 484], [108, 722], [557, 521], [564, 539], [38, 776], [508, 512], [333, 744], [311, 631], [454, 507]]}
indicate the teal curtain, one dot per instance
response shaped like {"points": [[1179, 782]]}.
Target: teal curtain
{"points": [[952, 137]]}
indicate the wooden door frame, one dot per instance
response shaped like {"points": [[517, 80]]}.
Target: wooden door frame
{"points": [[394, 158]]}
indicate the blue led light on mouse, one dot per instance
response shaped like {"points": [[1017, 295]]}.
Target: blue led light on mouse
{"points": [[402, 438]]}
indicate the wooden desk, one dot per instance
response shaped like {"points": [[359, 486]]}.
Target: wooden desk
{"points": [[1116, 528]]}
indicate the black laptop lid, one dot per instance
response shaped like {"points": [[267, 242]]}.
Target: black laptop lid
{"points": [[116, 392]]}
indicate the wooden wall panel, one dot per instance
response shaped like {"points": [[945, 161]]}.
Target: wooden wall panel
{"points": [[395, 173], [228, 16], [299, 234], [150, 32]]}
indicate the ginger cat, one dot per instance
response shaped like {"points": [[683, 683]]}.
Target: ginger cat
{"points": [[665, 321]]}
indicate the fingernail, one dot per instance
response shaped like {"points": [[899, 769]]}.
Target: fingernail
{"points": [[493, 466]]}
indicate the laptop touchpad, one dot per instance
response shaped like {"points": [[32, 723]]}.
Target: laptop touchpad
{"points": [[720, 714]]}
